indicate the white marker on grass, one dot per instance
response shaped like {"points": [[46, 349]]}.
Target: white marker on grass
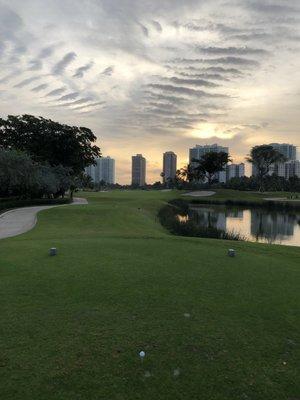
{"points": [[142, 355]]}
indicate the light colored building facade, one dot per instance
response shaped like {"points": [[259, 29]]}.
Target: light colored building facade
{"points": [[284, 169], [169, 166], [292, 169], [198, 151], [102, 171], [235, 171], [288, 150], [138, 171]]}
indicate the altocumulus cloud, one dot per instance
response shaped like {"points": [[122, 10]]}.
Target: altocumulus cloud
{"points": [[60, 67], [136, 69]]}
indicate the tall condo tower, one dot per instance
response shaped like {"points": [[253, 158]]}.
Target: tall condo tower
{"points": [[288, 150], [138, 172], [103, 170], [198, 151], [169, 165]]}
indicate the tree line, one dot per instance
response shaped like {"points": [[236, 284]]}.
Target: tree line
{"points": [[42, 158], [203, 171]]}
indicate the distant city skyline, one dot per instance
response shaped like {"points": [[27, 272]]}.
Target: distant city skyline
{"points": [[148, 76], [169, 164]]}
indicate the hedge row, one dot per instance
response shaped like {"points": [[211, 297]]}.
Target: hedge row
{"points": [[10, 204]]}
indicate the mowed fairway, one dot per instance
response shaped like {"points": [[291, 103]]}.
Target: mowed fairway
{"points": [[212, 327]]}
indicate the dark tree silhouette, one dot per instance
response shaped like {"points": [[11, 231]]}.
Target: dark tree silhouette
{"points": [[211, 163], [48, 141], [263, 157]]}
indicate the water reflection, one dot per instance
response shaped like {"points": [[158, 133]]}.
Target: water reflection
{"points": [[262, 225]]}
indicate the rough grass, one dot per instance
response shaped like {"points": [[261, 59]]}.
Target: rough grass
{"points": [[71, 326]]}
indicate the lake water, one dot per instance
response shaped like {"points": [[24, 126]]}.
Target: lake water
{"points": [[256, 224]]}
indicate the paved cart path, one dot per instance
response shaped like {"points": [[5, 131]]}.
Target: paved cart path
{"points": [[21, 220]]}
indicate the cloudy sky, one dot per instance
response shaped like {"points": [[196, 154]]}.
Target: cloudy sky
{"points": [[149, 76]]}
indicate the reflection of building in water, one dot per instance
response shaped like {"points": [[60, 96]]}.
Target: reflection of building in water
{"points": [[208, 217], [272, 226], [239, 214]]}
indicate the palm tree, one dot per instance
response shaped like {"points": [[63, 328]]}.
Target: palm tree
{"points": [[186, 173]]}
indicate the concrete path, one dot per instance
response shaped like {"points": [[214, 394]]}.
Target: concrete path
{"points": [[21, 220], [200, 193]]}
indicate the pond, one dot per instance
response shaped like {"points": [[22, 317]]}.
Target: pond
{"points": [[255, 224]]}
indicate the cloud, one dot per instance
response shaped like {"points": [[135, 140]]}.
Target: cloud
{"points": [[184, 90], [216, 77], [232, 61], [231, 50], [47, 51], [39, 88], [157, 26], [77, 102], [35, 65], [26, 82], [60, 67], [10, 76], [271, 8], [108, 71], [221, 60], [69, 96], [10, 22], [194, 82], [56, 92], [98, 103], [144, 29], [79, 73]]}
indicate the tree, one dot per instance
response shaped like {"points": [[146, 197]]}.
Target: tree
{"points": [[21, 176], [211, 163], [263, 157], [50, 142], [18, 174], [185, 174]]}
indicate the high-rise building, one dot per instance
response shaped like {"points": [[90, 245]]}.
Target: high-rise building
{"points": [[169, 165], [198, 151], [283, 169], [235, 171], [292, 169], [288, 150], [138, 170], [107, 170], [103, 170]]}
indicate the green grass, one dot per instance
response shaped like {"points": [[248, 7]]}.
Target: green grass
{"points": [[71, 326], [228, 194]]}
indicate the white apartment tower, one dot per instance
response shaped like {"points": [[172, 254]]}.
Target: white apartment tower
{"points": [[198, 151], [285, 169], [103, 170], [235, 171]]}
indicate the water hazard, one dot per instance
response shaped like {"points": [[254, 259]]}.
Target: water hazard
{"points": [[255, 224]]}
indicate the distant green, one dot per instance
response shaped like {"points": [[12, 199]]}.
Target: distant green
{"points": [[212, 327]]}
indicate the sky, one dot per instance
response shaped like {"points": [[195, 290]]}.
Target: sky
{"points": [[149, 76]]}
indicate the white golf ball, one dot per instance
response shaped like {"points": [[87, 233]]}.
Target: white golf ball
{"points": [[142, 354]]}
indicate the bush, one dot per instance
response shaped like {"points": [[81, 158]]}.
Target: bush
{"points": [[271, 183], [10, 204]]}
